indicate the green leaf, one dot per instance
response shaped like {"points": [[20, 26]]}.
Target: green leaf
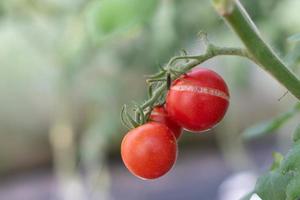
{"points": [[265, 127], [293, 188], [269, 126], [272, 186], [294, 38], [278, 157], [108, 18], [283, 181], [291, 162]]}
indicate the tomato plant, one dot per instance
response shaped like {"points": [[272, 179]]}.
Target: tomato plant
{"points": [[198, 100], [150, 150]]}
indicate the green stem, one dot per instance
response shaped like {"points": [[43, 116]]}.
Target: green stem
{"points": [[241, 23]]}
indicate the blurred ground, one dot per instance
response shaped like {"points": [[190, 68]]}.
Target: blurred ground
{"points": [[197, 176]]}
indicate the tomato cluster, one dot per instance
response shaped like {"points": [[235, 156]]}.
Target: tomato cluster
{"points": [[196, 102]]}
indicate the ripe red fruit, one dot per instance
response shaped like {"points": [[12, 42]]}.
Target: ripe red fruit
{"points": [[198, 100], [159, 114], [149, 151]]}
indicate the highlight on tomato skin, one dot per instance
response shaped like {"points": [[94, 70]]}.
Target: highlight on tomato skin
{"points": [[149, 151], [198, 100], [159, 114]]}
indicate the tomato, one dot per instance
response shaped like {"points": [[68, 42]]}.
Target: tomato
{"points": [[159, 114], [149, 151], [198, 100]]}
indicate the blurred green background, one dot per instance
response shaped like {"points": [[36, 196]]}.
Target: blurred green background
{"points": [[67, 66]]}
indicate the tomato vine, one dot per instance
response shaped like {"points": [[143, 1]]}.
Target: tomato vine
{"points": [[157, 83], [282, 180]]}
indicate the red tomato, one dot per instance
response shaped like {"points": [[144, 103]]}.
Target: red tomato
{"points": [[159, 114], [198, 100], [149, 151]]}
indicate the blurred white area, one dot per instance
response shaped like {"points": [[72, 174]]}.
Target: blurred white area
{"points": [[237, 186], [255, 197]]}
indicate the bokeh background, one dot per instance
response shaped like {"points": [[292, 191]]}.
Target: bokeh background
{"points": [[67, 67]]}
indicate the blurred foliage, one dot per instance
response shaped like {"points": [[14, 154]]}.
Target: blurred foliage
{"points": [[113, 17], [282, 181], [270, 126]]}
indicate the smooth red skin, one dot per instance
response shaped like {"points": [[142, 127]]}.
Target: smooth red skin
{"points": [[159, 114], [149, 151], [197, 112]]}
